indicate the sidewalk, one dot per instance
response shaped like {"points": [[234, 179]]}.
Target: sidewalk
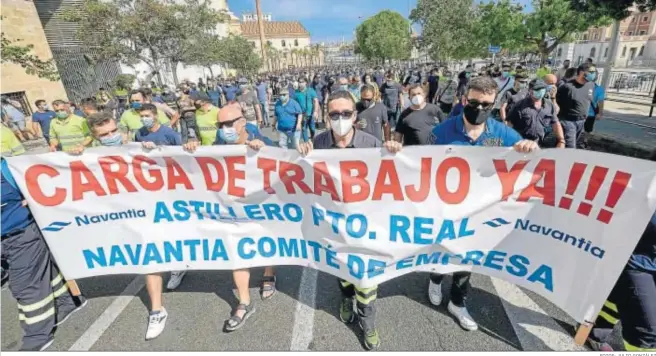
{"points": [[626, 129]]}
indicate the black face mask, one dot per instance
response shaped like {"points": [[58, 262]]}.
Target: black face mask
{"points": [[366, 103], [474, 115], [198, 106]]}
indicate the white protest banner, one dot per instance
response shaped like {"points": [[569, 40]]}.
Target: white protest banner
{"points": [[561, 223]]}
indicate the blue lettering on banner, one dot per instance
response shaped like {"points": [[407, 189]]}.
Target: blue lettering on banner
{"points": [[107, 217], [358, 266], [576, 242], [421, 230]]}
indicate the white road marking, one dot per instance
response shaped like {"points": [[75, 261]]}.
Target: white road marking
{"points": [[535, 330], [105, 320], [304, 314]]}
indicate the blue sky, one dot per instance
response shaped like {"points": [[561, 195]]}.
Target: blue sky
{"points": [[326, 20]]}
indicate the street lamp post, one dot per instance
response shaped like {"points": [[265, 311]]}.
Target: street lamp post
{"points": [[260, 24]]}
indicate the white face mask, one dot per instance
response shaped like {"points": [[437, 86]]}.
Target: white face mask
{"points": [[417, 100], [341, 126]]}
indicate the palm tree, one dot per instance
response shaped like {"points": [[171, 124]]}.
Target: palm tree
{"points": [[295, 57]]}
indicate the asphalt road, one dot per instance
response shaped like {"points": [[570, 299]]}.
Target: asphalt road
{"points": [[302, 316]]}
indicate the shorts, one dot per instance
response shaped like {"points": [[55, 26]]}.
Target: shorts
{"points": [[19, 124]]}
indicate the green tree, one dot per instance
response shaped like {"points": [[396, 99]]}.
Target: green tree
{"points": [[449, 29], [616, 9], [238, 53], [501, 24], [151, 31], [384, 36], [14, 52], [555, 21]]}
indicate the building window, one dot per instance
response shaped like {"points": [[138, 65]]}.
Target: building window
{"points": [[643, 32], [630, 33], [596, 36], [282, 42], [593, 51], [296, 43], [560, 52], [20, 97], [642, 49], [645, 19], [624, 52], [585, 37], [633, 19], [269, 43], [606, 52]]}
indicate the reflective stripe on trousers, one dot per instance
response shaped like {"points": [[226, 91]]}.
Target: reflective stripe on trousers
{"points": [[36, 284], [365, 299]]}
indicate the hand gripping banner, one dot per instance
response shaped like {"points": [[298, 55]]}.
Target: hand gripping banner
{"points": [[561, 223]]}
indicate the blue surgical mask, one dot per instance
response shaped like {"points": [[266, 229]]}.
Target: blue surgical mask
{"points": [[549, 87], [284, 98], [505, 74], [229, 134], [114, 140], [148, 121], [539, 94], [135, 105], [591, 77]]}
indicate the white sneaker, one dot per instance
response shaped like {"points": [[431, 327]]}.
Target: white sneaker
{"points": [[434, 293], [176, 279], [461, 313], [156, 324]]}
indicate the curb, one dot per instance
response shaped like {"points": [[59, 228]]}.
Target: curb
{"points": [[609, 144]]}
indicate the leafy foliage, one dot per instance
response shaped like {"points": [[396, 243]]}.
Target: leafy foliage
{"points": [[555, 21], [386, 35], [616, 9], [143, 30], [238, 53], [124, 81], [14, 52], [449, 28]]}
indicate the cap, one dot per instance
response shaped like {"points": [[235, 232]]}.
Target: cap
{"points": [[200, 96], [243, 80], [538, 84]]}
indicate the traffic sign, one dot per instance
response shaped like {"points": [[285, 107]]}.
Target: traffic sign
{"points": [[494, 49]]}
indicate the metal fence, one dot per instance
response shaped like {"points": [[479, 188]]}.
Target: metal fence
{"points": [[632, 83], [20, 97], [80, 74]]}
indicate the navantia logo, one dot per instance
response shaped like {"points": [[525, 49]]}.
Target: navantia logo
{"points": [[82, 220]]}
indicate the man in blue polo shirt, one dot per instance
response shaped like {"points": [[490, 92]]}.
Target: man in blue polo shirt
{"points": [[307, 98], [43, 116], [287, 121], [474, 127]]}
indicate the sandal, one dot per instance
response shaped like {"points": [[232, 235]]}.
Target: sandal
{"points": [[268, 286], [235, 322]]}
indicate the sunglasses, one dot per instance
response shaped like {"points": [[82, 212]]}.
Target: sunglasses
{"points": [[336, 115], [228, 123], [476, 103]]}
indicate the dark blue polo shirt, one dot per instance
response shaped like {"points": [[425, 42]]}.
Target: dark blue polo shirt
{"points": [[43, 118], [531, 122], [452, 132], [164, 136], [15, 216]]}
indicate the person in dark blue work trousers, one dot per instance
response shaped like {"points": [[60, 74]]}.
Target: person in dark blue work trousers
{"points": [[41, 293], [632, 302], [474, 127]]}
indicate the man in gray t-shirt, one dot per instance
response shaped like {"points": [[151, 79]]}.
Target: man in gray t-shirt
{"points": [[372, 116], [250, 105]]}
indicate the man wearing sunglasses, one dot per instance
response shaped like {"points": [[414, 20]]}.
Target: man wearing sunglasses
{"points": [[233, 130], [343, 134], [474, 127], [574, 99]]}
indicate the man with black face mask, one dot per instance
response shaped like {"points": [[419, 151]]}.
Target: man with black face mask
{"points": [[474, 127]]}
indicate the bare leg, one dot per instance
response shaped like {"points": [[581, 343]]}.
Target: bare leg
{"points": [[242, 278], [154, 288], [268, 272]]}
